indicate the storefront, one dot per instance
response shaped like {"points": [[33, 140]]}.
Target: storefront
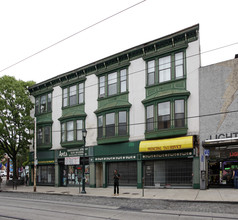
{"points": [[70, 163], [121, 156], [221, 157], [45, 173], [170, 162]]}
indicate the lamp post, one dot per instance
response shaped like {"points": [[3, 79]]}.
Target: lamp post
{"points": [[84, 137]]}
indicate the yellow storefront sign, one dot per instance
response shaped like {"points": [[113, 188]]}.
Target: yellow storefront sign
{"points": [[167, 144]]}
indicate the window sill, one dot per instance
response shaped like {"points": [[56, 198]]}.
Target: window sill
{"points": [[44, 147], [115, 139], [172, 132]]}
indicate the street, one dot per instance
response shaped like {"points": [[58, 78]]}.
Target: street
{"points": [[26, 206]]}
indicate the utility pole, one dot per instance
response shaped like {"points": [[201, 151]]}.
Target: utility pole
{"points": [[35, 157]]}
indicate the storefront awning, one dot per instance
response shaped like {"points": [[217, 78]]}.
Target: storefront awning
{"points": [[220, 142], [167, 144]]}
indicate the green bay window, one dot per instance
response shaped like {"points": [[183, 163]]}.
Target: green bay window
{"points": [[164, 69], [114, 83], [113, 125], [43, 104], [179, 114], [150, 118], [71, 132], [73, 95], [43, 135]]}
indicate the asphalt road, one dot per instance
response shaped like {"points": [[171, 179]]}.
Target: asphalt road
{"points": [[25, 206]]}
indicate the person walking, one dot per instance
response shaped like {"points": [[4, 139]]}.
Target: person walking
{"points": [[116, 178]]}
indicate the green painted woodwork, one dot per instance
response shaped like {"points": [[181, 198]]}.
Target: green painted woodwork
{"points": [[196, 173], [116, 139], [113, 102], [43, 155], [73, 112], [117, 149], [166, 90], [73, 81], [44, 147], [172, 132], [139, 174], [72, 144], [44, 118], [104, 174], [113, 67]]}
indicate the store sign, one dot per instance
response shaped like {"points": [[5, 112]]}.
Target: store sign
{"points": [[115, 158], [185, 154], [167, 144], [72, 152], [72, 160], [223, 136]]}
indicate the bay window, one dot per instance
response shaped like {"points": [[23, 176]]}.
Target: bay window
{"points": [[110, 125], [43, 135], [43, 104], [164, 115], [179, 113], [150, 118]]}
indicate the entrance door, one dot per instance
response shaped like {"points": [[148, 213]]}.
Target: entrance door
{"points": [[149, 174], [99, 175]]}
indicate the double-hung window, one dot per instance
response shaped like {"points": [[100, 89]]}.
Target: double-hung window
{"points": [[178, 65], [164, 115], [102, 86], [150, 118], [73, 95], [100, 126], [110, 124], [151, 72], [165, 69], [122, 125], [43, 104], [123, 81], [112, 83], [179, 113]]}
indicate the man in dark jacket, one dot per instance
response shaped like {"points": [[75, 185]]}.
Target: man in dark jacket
{"points": [[116, 178]]}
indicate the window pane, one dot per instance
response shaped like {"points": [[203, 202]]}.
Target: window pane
{"points": [[49, 102], [100, 126], [112, 83], [47, 135], [179, 113], [63, 139], [150, 118], [123, 80], [101, 86], [164, 115], [72, 95], [70, 131], [81, 90], [37, 106], [65, 97], [165, 69], [110, 124], [179, 65], [39, 136], [122, 127], [79, 130], [151, 72], [43, 104]]}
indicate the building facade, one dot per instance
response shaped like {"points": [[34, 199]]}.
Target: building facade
{"points": [[218, 123], [137, 107]]}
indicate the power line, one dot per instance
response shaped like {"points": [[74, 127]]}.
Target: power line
{"points": [[72, 35]]}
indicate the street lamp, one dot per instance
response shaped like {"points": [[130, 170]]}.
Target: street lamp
{"points": [[84, 137]]}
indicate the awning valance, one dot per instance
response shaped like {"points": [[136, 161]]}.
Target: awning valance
{"points": [[167, 144]]}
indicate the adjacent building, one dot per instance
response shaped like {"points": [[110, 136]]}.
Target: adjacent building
{"points": [[218, 123], [138, 108]]}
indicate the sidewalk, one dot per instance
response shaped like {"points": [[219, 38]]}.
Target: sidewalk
{"points": [[210, 195]]}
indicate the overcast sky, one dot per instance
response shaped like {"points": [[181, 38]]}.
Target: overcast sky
{"points": [[28, 26]]}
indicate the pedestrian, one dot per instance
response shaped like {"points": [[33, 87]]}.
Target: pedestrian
{"points": [[116, 178], [235, 178]]}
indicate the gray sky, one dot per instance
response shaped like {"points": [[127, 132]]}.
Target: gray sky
{"points": [[28, 26]]}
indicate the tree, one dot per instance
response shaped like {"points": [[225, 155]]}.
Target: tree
{"points": [[16, 123]]}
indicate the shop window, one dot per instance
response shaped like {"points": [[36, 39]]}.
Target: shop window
{"points": [[46, 175], [73, 95], [113, 83], [43, 104], [150, 118], [164, 115], [43, 135]]}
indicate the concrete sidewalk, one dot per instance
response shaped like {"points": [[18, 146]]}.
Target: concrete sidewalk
{"points": [[210, 195]]}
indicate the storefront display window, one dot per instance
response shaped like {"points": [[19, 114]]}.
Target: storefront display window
{"points": [[46, 174]]}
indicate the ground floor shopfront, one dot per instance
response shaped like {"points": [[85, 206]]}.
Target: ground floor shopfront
{"points": [[221, 159], [158, 163]]}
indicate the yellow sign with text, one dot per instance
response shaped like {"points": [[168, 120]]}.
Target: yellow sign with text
{"points": [[167, 144]]}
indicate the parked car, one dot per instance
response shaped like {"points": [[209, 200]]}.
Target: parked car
{"points": [[3, 173]]}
